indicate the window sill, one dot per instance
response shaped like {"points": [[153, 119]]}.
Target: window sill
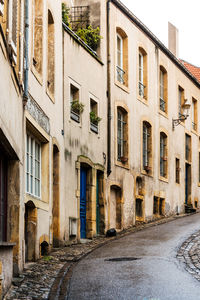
{"points": [[120, 164], [146, 174], [39, 203], [164, 179], [194, 132], [164, 114], [50, 95], [122, 86], [189, 162], [143, 100], [37, 75], [7, 244]]}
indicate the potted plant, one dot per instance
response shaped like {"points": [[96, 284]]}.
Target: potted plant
{"points": [[77, 107], [94, 119]]}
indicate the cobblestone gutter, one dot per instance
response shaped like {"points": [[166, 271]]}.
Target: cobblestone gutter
{"points": [[189, 254], [48, 278]]}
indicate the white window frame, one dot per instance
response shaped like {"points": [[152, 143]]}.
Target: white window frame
{"points": [[120, 52], [31, 161], [141, 68], [1, 7], [10, 28]]}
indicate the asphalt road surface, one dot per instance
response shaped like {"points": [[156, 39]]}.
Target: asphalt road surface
{"points": [[140, 266]]}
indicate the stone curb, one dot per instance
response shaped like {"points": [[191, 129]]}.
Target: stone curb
{"points": [[49, 279]]}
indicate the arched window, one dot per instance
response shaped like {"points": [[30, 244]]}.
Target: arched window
{"points": [[147, 147], [38, 35], [51, 55], [163, 89], [163, 154], [122, 57], [122, 135], [143, 81]]}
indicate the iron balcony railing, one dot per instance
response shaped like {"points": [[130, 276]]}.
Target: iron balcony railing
{"points": [[94, 127], [162, 104], [120, 74], [141, 89], [75, 116]]}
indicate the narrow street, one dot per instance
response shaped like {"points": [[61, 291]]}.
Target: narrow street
{"points": [[140, 266]]}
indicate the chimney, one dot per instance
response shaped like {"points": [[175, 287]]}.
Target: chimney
{"points": [[173, 42]]}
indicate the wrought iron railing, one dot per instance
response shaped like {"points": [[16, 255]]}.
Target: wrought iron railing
{"points": [[120, 74], [94, 127], [75, 116], [162, 105], [141, 89]]}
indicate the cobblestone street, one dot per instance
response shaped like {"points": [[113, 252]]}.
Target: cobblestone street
{"points": [[48, 277]]}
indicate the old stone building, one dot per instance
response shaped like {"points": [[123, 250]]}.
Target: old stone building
{"points": [[90, 138]]}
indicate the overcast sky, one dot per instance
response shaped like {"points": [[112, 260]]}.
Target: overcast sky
{"points": [[184, 14]]}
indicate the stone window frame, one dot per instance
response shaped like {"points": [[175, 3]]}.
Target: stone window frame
{"points": [[32, 158], [188, 148], [194, 114], [158, 206], [50, 80], [163, 90], [147, 149], [78, 87], [181, 97], [36, 59], [122, 161], [177, 170], [163, 171], [94, 99], [12, 29], [142, 74], [121, 72]]}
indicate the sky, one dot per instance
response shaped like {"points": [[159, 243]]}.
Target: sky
{"points": [[183, 14]]}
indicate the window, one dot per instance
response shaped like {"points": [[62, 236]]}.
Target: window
{"points": [[180, 101], [51, 55], [94, 118], [147, 147], [177, 174], [142, 85], [122, 132], [188, 147], [33, 166], [76, 106], [12, 28], [158, 206], [1, 7], [163, 89], [38, 35], [122, 57], [163, 154], [194, 114]]}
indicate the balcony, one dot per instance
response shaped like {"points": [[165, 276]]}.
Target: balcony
{"points": [[120, 75], [141, 89], [75, 116], [94, 127]]}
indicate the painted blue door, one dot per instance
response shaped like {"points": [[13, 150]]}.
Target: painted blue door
{"points": [[83, 178]]}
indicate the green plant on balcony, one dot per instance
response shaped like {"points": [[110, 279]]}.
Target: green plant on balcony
{"points": [[91, 36], [94, 119], [65, 14], [77, 107]]}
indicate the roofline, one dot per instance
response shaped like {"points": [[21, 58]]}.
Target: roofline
{"points": [[155, 40]]}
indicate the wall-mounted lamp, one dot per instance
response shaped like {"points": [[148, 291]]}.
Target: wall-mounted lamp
{"points": [[184, 116]]}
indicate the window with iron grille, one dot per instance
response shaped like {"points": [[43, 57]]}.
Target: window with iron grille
{"points": [[163, 89], [79, 17], [142, 84], [122, 153], [163, 154], [147, 146], [33, 166]]}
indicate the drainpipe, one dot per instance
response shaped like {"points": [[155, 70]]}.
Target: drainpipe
{"points": [[25, 95], [108, 93]]}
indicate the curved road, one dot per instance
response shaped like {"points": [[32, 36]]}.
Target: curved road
{"points": [[140, 266]]}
